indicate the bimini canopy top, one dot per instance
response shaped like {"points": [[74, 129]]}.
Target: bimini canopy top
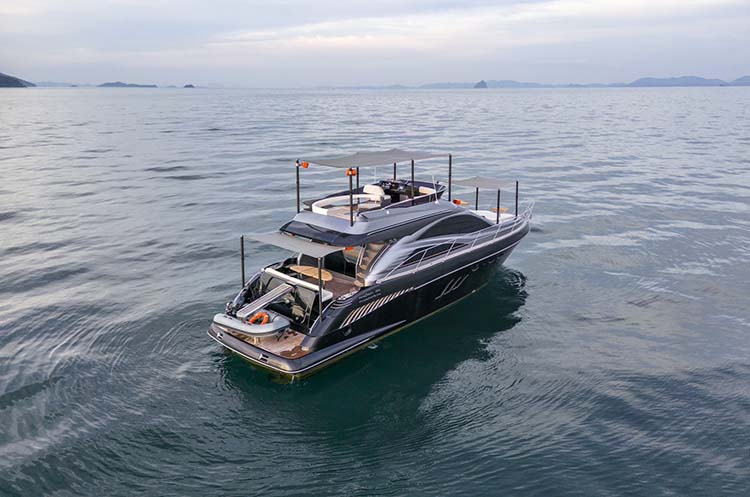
{"points": [[374, 158], [295, 244], [484, 182]]}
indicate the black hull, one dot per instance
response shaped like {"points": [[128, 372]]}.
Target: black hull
{"points": [[380, 310]]}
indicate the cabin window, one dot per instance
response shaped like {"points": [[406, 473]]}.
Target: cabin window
{"points": [[453, 225]]}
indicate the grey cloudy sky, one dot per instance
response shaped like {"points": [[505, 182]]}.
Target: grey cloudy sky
{"points": [[292, 43]]}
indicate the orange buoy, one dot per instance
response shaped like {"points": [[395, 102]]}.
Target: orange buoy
{"points": [[259, 318]]}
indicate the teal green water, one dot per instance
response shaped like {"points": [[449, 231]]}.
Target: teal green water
{"points": [[608, 357]]}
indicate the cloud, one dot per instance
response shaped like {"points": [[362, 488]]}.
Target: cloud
{"points": [[491, 26], [361, 42]]}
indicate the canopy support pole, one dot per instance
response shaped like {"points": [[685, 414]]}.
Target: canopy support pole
{"points": [[516, 198], [297, 169], [394, 171], [357, 179], [412, 182], [320, 286], [242, 256], [351, 200], [497, 220], [476, 198], [450, 174]]}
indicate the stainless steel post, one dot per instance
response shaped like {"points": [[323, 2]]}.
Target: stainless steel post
{"points": [[320, 287], [497, 221], [450, 174], [297, 169], [412, 182], [351, 199], [242, 256]]}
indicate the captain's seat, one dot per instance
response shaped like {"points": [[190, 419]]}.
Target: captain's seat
{"points": [[374, 190]]}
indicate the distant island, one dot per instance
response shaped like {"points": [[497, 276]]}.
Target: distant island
{"points": [[57, 84], [682, 81], [7, 81], [120, 84]]}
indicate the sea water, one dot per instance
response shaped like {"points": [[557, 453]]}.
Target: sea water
{"points": [[610, 356]]}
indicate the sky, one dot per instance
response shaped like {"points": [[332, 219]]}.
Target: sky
{"points": [[289, 43]]}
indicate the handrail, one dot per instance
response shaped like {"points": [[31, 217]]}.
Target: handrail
{"points": [[403, 203], [291, 279], [497, 231]]}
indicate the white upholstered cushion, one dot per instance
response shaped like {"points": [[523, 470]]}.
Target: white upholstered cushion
{"points": [[374, 190]]}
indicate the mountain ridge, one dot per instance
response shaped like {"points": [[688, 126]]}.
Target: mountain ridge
{"points": [[678, 81], [8, 81], [120, 84], [645, 82]]}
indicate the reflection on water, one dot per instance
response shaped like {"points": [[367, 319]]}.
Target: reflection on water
{"points": [[609, 357]]}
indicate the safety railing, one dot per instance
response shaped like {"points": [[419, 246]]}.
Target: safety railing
{"points": [[423, 198], [462, 243]]}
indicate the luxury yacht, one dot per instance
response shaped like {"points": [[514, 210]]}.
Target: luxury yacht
{"points": [[366, 262]]}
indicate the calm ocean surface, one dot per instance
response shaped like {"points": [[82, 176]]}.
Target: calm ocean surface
{"points": [[611, 355]]}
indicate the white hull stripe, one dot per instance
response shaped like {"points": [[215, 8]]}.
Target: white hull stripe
{"points": [[363, 311]]}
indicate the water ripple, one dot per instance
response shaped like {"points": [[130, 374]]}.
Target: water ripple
{"points": [[608, 358]]}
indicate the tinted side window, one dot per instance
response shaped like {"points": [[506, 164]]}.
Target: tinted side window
{"points": [[455, 224]]}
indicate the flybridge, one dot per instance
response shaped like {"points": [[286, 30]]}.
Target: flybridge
{"points": [[358, 201], [370, 193]]}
